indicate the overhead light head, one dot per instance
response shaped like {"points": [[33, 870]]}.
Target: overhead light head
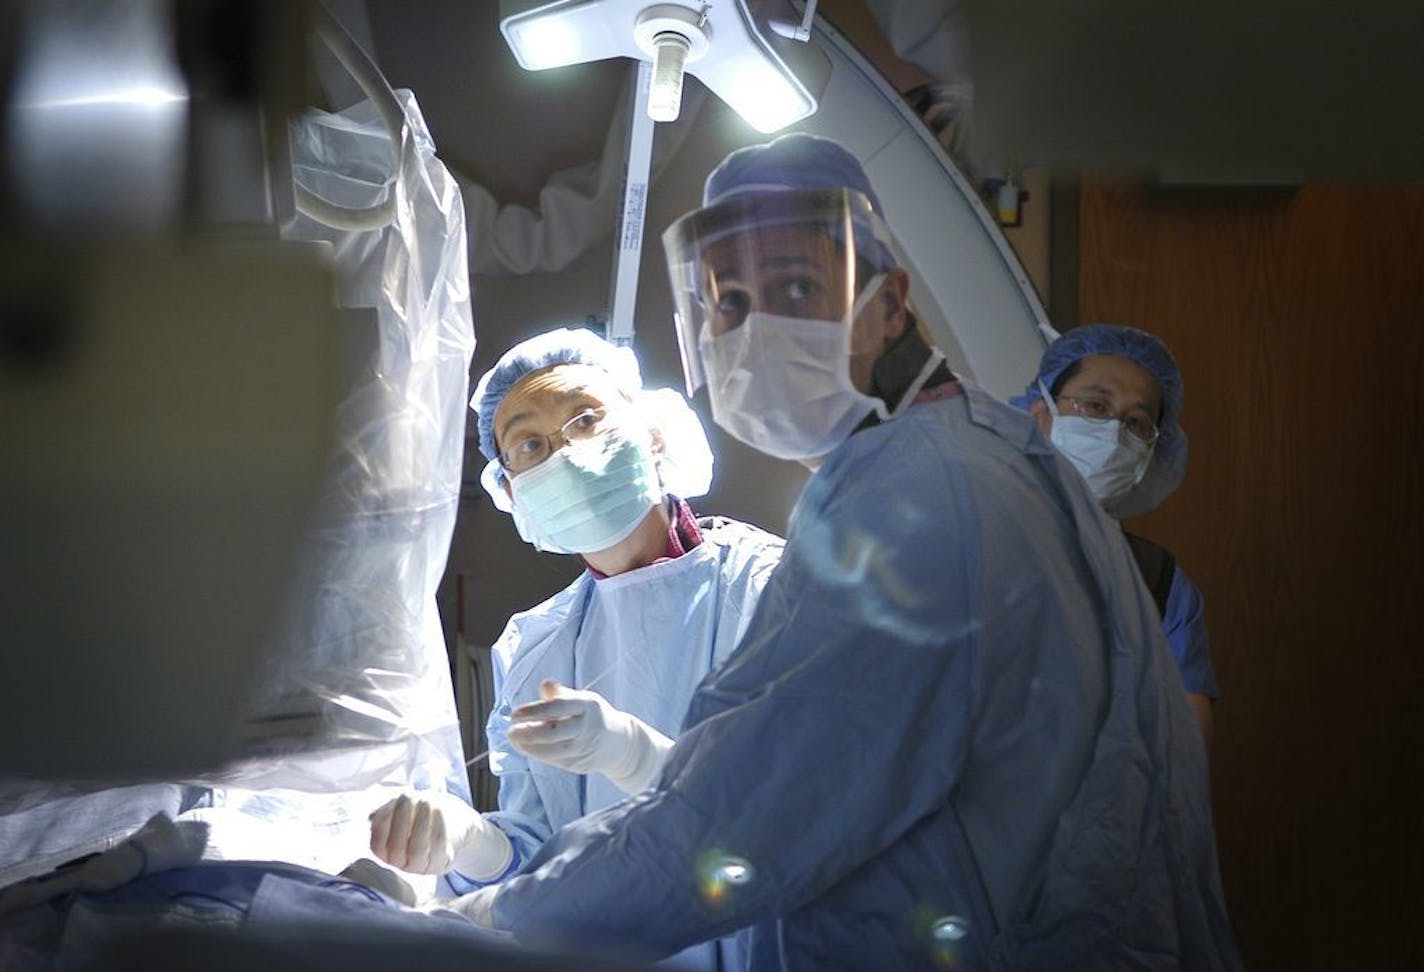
{"points": [[545, 42], [740, 58]]}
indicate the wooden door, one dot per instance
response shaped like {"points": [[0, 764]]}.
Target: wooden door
{"points": [[1298, 322]]}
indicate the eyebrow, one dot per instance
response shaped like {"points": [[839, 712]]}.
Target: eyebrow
{"points": [[514, 419], [778, 262], [732, 272], [571, 395], [1109, 393]]}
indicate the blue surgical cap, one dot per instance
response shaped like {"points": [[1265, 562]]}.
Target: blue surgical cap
{"points": [[795, 161], [799, 161], [1169, 459], [560, 346]]}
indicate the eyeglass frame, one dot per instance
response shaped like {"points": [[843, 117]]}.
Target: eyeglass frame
{"points": [[1077, 403], [547, 438]]}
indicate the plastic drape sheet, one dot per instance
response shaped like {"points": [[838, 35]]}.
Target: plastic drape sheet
{"points": [[359, 697], [360, 692]]}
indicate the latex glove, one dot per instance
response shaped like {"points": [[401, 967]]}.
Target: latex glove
{"points": [[431, 832], [581, 732]]}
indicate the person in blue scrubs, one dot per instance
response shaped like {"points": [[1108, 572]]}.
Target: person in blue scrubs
{"points": [[1110, 398], [591, 684], [952, 735]]}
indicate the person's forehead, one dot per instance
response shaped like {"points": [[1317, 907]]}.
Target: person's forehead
{"points": [[1118, 374], [757, 248], [548, 392]]}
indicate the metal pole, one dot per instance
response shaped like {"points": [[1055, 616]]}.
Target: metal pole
{"points": [[628, 244]]}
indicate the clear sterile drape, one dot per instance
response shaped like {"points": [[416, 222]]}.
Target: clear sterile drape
{"points": [[360, 692], [357, 699]]}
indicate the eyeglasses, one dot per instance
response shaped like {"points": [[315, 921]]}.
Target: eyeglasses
{"points": [[1100, 410], [533, 449]]}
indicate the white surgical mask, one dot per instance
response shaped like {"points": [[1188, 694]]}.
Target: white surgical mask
{"points": [[782, 384], [587, 496], [1109, 457]]}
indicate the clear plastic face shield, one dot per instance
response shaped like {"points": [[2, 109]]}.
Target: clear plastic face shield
{"points": [[790, 253]]}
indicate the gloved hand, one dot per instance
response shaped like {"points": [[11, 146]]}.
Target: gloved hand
{"points": [[580, 732], [432, 832]]}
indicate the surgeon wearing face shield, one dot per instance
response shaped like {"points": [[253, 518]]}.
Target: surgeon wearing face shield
{"points": [[1110, 398], [591, 684], [802, 331], [941, 742]]}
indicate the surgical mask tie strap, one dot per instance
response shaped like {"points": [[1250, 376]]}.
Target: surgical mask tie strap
{"points": [[1048, 398], [866, 295], [916, 386]]}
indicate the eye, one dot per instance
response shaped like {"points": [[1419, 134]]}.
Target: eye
{"points": [[1140, 427], [584, 422], [732, 308], [526, 449], [798, 289], [1095, 408], [794, 295]]}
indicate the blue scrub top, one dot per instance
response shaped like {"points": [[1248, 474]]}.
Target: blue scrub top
{"points": [[1184, 623]]}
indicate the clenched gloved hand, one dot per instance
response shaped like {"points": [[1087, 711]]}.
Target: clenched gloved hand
{"points": [[580, 732], [432, 832]]}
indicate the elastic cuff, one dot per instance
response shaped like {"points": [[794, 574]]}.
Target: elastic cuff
{"points": [[650, 751], [464, 884]]}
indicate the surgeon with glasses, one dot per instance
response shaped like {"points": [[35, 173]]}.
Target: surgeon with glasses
{"points": [[1109, 397], [591, 685]]}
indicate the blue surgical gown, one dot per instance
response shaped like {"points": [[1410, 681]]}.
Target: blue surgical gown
{"points": [[642, 639], [953, 734]]}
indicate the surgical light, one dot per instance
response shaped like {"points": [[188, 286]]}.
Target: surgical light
{"points": [[761, 97], [547, 42], [744, 58]]}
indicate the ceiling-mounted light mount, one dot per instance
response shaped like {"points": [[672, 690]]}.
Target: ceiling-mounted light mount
{"points": [[672, 37]]}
